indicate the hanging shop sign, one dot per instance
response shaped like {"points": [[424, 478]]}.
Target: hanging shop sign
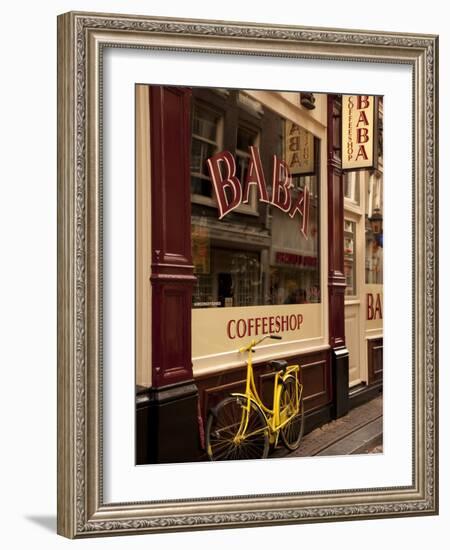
{"points": [[358, 132], [231, 192], [298, 149]]}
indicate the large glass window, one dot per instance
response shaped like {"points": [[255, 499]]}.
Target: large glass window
{"points": [[349, 257], [351, 186], [266, 252], [295, 262], [374, 230]]}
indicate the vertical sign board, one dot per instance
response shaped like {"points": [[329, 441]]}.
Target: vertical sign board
{"points": [[358, 132], [298, 149]]}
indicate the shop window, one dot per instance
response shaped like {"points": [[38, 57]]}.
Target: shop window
{"points": [[349, 257], [295, 273], [271, 257], [239, 277], [374, 230], [352, 186]]}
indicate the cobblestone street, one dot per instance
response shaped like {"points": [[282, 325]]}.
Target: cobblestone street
{"points": [[359, 432]]}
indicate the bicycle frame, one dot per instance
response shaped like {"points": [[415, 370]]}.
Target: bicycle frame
{"points": [[273, 416]]}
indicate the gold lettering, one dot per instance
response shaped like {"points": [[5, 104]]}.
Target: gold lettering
{"points": [[294, 143], [294, 160]]}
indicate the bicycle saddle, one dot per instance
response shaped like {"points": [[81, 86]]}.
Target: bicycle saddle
{"points": [[278, 365]]}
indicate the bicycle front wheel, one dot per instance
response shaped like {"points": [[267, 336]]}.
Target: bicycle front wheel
{"points": [[291, 405], [223, 438]]}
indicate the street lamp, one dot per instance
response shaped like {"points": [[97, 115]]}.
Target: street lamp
{"points": [[307, 100]]}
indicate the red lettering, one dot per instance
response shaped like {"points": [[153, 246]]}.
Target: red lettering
{"points": [[378, 310], [271, 324], [241, 328], [265, 325], [221, 184], [292, 322], [229, 329], [281, 184], [302, 207], [362, 135], [362, 102], [250, 325], [362, 119], [255, 176], [229, 192], [369, 307], [277, 324], [361, 153]]}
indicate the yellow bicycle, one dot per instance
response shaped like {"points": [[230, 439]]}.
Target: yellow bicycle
{"points": [[241, 426]]}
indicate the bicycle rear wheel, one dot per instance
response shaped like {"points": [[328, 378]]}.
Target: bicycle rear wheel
{"points": [[223, 425], [292, 432]]}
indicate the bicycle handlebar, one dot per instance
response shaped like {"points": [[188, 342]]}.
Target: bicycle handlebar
{"points": [[254, 343]]}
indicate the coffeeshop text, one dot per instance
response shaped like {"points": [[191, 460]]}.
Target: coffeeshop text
{"points": [[259, 326]]}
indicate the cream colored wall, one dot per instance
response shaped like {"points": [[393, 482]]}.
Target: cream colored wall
{"points": [[143, 238], [287, 104], [357, 328], [354, 305]]}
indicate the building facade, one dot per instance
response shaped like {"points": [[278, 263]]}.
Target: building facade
{"points": [[247, 224]]}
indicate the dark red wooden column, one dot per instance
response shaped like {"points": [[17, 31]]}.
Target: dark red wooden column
{"points": [[173, 418], [336, 275]]}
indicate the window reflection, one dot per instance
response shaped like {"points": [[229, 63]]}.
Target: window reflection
{"points": [[349, 257], [374, 230], [257, 254]]}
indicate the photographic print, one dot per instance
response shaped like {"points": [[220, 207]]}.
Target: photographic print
{"points": [[260, 326], [247, 253]]}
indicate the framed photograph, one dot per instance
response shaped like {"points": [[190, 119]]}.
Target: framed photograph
{"points": [[247, 284]]}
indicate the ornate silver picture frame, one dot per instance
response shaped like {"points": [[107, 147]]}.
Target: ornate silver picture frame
{"points": [[83, 510]]}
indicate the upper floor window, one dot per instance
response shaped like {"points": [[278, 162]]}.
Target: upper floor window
{"points": [[206, 134], [352, 187]]}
